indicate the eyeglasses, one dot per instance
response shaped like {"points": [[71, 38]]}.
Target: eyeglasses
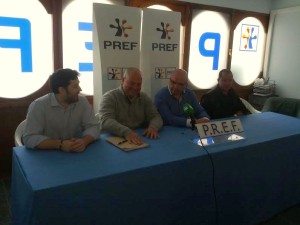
{"points": [[176, 83]]}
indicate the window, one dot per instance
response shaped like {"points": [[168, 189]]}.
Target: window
{"points": [[25, 48], [212, 48], [208, 47], [248, 50]]}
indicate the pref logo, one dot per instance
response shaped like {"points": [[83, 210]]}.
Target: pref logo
{"points": [[249, 37], [165, 30], [121, 28]]}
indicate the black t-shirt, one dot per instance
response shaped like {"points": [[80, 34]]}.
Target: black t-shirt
{"points": [[219, 105]]}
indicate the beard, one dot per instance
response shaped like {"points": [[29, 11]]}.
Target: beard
{"points": [[71, 98]]}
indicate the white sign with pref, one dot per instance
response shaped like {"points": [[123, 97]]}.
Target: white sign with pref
{"points": [[221, 127]]}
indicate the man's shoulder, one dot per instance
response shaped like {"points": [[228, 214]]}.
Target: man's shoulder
{"points": [[41, 103], [211, 92], [43, 99], [144, 95], [163, 92], [82, 99], [112, 92], [189, 91]]}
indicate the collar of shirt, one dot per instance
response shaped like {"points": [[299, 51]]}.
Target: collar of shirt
{"points": [[55, 103], [230, 92], [173, 95], [128, 99]]}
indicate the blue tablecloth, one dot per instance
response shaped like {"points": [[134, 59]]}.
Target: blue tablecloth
{"points": [[168, 183], [171, 182]]}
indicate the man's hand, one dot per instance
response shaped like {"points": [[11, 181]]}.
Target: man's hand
{"points": [[73, 145], [134, 138], [202, 120], [151, 133], [239, 113]]}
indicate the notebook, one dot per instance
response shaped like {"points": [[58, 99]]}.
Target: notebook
{"points": [[124, 145]]}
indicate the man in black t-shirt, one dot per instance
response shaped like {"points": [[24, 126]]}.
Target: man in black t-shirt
{"points": [[222, 101]]}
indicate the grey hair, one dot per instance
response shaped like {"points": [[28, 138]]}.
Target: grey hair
{"points": [[130, 70]]}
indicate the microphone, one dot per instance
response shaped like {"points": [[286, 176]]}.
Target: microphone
{"points": [[189, 111]]}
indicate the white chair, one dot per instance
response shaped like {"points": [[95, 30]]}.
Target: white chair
{"points": [[19, 133], [249, 106]]}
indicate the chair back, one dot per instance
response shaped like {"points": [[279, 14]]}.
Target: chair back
{"points": [[19, 133], [283, 105], [249, 106]]}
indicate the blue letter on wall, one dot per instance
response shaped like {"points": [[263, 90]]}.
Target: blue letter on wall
{"points": [[24, 43], [86, 67], [216, 37]]}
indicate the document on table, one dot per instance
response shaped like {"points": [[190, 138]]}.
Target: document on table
{"points": [[125, 145]]}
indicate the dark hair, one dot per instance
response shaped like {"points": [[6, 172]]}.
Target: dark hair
{"points": [[62, 78], [224, 71]]}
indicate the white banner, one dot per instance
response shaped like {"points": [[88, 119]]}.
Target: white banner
{"points": [[116, 39], [160, 48], [219, 127]]}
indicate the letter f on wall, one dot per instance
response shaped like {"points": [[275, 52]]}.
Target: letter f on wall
{"points": [[216, 37], [24, 43]]}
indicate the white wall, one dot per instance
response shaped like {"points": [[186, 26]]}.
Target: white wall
{"points": [[279, 4], [283, 58], [262, 6]]}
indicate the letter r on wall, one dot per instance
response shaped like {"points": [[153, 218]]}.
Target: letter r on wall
{"points": [[24, 43]]}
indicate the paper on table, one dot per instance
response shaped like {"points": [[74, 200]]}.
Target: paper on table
{"points": [[123, 144]]}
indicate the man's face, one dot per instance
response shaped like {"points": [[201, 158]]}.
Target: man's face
{"points": [[132, 84], [177, 84], [72, 91], [225, 82]]}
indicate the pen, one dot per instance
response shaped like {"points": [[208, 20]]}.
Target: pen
{"points": [[121, 142]]}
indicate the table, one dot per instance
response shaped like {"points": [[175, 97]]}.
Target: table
{"points": [[172, 182], [260, 176], [168, 183]]}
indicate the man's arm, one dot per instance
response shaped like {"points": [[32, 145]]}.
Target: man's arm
{"points": [[33, 132], [107, 114], [207, 104], [73, 145], [168, 117], [241, 108]]}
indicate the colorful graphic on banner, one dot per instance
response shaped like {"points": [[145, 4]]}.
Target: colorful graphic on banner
{"points": [[160, 48], [115, 73], [165, 30], [116, 39], [249, 37], [121, 28], [163, 72]]}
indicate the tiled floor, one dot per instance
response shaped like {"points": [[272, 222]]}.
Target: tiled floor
{"points": [[5, 213], [288, 217]]}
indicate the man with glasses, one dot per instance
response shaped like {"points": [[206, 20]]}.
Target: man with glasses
{"points": [[126, 108], [170, 101]]}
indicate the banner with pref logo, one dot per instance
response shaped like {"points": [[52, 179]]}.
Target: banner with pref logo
{"points": [[116, 39], [159, 48]]}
